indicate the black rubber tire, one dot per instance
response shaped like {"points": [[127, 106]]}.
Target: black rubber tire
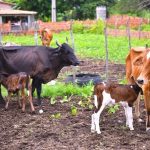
{"points": [[83, 79]]}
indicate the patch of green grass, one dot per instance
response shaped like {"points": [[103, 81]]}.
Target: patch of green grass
{"points": [[61, 89]]}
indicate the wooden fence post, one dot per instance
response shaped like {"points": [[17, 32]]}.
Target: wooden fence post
{"points": [[128, 32], [106, 49], [36, 27], [1, 37], [73, 46], [139, 29]]}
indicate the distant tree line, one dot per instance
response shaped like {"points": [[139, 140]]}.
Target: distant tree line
{"points": [[81, 9]]}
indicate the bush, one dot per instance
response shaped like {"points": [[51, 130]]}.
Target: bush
{"points": [[146, 27], [96, 28], [78, 27]]}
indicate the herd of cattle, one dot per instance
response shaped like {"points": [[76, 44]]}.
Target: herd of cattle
{"points": [[19, 64]]}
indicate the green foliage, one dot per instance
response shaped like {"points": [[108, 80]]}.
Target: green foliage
{"points": [[55, 116], [78, 27], [64, 90], [73, 110], [96, 28], [146, 27], [113, 109], [66, 9]]}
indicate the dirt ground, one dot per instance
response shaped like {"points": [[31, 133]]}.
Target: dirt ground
{"points": [[24, 131]]}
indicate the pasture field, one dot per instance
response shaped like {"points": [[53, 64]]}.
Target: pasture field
{"points": [[62, 128]]}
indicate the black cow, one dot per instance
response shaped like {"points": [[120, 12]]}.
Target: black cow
{"points": [[42, 63]]}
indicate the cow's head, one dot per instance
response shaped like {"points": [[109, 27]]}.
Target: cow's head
{"points": [[67, 55], [143, 62]]}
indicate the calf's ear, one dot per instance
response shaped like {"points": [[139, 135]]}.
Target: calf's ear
{"points": [[138, 61]]}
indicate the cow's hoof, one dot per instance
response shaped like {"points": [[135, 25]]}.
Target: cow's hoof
{"points": [[131, 129], [98, 132]]}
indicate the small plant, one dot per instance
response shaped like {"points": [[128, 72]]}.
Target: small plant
{"points": [[56, 116], [74, 110], [113, 109], [65, 99], [53, 100]]}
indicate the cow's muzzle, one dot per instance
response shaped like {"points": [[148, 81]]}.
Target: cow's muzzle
{"points": [[140, 81], [76, 63]]}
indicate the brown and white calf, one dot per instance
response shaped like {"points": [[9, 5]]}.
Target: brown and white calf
{"points": [[105, 94], [16, 83]]}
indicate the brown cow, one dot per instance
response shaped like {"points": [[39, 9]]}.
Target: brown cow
{"points": [[46, 36], [15, 83], [137, 70]]}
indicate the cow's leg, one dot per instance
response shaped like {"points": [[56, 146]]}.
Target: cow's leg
{"points": [[23, 100], [96, 116], [129, 117], [137, 108], [30, 98], [38, 90], [8, 99], [2, 101], [147, 106], [128, 114], [36, 84], [19, 101]]}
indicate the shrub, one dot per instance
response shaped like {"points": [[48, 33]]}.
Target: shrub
{"points": [[96, 28], [78, 27], [146, 27]]}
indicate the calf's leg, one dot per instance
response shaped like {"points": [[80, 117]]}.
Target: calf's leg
{"points": [[23, 100], [8, 99], [129, 115], [30, 98], [2, 101], [96, 116]]}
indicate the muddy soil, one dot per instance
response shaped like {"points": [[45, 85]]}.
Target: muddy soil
{"points": [[24, 131]]}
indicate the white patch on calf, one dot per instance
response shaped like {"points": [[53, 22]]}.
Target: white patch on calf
{"points": [[95, 101], [96, 116], [107, 98], [148, 55], [128, 114], [131, 86]]}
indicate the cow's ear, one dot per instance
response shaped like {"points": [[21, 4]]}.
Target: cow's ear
{"points": [[138, 61]]}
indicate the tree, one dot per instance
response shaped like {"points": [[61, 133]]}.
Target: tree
{"points": [[66, 9]]}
